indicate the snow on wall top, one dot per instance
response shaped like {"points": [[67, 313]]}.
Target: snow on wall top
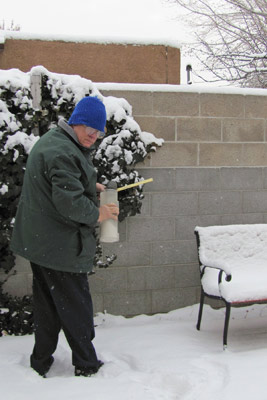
{"points": [[90, 39], [197, 88]]}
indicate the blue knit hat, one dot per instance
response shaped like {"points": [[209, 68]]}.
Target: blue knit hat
{"points": [[89, 111]]}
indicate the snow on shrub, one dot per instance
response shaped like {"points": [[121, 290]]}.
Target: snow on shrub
{"points": [[16, 121]]}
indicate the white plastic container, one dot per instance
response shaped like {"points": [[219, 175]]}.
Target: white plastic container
{"points": [[109, 227]]}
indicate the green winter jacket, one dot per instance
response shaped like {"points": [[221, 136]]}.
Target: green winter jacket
{"points": [[58, 209]]}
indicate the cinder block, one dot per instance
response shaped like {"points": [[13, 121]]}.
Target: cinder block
{"points": [[264, 170], [114, 279], [231, 219], [254, 154], [145, 208], [129, 254], [160, 277], [22, 265], [220, 154], [255, 202], [175, 252], [241, 178], [139, 253], [174, 155], [220, 202], [122, 229], [98, 303], [172, 299], [141, 102], [176, 104], [185, 225], [136, 278], [197, 179], [251, 218], [173, 204], [221, 105], [146, 163], [96, 281], [199, 129], [150, 229], [187, 275], [128, 303], [161, 127], [163, 179], [17, 285], [243, 130], [255, 106]]}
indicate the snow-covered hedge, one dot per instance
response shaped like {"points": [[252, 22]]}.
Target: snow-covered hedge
{"points": [[114, 157], [16, 119]]}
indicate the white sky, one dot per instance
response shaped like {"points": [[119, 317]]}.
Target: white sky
{"points": [[128, 18]]}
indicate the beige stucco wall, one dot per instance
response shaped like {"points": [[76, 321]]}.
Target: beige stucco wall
{"points": [[98, 62]]}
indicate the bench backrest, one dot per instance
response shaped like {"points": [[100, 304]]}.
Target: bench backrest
{"points": [[226, 243]]}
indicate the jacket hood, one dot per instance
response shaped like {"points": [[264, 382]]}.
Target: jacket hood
{"points": [[63, 124], [67, 128]]}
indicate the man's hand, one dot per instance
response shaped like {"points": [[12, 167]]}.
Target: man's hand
{"points": [[108, 211], [100, 187]]}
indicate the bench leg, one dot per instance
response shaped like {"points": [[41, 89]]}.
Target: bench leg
{"points": [[226, 324], [202, 296]]}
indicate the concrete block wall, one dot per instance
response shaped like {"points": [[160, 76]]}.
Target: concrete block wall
{"points": [[211, 170], [202, 129], [157, 266]]}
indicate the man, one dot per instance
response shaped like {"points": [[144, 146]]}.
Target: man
{"points": [[54, 229]]}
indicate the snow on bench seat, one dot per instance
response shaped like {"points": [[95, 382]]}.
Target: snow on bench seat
{"points": [[233, 265], [241, 252]]}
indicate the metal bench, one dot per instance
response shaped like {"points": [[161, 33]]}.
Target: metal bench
{"points": [[233, 266]]}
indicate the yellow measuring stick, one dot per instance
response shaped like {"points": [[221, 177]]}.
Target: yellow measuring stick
{"points": [[135, 184]]}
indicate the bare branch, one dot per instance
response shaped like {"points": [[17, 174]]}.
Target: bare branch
{"points": [[230, 39]]}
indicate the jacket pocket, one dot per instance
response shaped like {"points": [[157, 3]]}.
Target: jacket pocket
{"points": [[87, 242]]}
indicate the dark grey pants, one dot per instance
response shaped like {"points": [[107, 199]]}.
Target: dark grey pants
{"points": [[62, 300]]}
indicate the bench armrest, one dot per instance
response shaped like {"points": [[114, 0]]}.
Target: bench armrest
{"points": [[216, 264], [221, 271]]}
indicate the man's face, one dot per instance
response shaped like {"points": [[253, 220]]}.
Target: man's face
{"points": [[86, 135]]}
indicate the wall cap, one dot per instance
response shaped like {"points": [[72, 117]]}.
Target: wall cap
{"points": [[131, 40], [196, 88]]}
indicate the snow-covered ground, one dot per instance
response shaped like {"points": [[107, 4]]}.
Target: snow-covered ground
{"points": [[160, 357]]}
